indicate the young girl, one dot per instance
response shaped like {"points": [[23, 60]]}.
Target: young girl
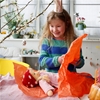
{"points": [[58, 34]]}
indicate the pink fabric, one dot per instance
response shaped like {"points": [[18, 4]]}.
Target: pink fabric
{"points": [[52, 76], [45, 86], [9, 91], [53, 81]]}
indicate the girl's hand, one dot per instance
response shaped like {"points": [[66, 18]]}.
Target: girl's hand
{"points": [[60, 59]]}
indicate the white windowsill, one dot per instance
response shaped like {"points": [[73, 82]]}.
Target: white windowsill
{"points": [[21, 39], [33, 55]]}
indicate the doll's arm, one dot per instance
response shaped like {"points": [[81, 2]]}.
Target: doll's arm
{"points": [[46, 87], [44, 77]]}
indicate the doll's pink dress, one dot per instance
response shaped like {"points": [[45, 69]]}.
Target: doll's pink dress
{"points": [[53, 81]]}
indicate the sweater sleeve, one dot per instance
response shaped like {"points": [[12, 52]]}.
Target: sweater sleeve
{"points": [[80, 63], [45, 60]]}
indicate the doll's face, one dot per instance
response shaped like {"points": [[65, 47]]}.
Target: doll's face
{"points": [[35, 74]]}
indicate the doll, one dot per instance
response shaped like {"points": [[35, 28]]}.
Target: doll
{"points": [[46, 80]]}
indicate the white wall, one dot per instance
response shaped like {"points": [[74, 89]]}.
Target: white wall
{"points": [[91, 53], [30, 43]]}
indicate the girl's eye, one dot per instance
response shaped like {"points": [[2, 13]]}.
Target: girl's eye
{"points": [[51, 26], [58, 26]]}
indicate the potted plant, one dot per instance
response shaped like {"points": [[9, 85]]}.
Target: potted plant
{"points": [[14, 22], [28, 33], [80, 22]]}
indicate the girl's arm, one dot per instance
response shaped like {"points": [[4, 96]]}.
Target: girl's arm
{"points": [[48, 62], [45, 59]]}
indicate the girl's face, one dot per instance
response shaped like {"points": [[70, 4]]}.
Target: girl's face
{"points": [[57, 28]]}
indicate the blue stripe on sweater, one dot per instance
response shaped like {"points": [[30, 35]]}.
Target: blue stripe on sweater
{"points": [[49, 63], [54, 50]]}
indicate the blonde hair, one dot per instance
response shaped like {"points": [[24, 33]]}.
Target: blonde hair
{"points": [[69, 31]]}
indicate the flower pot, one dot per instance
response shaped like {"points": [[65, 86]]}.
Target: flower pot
{"points": [[15, 35], [80, 27]]}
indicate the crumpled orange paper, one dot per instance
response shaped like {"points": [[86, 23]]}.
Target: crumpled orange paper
{"points": [[72, 83]]}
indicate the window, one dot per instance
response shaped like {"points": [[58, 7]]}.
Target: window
{"points": [[90, 9], [86, 8], [36, 7]]}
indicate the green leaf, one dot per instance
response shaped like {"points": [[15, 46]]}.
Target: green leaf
{"points": [[1, 1], [80, 24]]}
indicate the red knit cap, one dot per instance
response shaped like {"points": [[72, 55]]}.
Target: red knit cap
{"points": [[28, 80]]}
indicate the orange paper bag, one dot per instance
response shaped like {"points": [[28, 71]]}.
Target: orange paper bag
{"points": [[72, 83]]}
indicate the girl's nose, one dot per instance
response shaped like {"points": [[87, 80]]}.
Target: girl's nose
{"points": [[54, 29]]}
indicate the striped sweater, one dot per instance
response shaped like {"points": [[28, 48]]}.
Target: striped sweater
{"points": [[50, 53]]}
